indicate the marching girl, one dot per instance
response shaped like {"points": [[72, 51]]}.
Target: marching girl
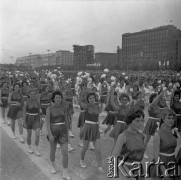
{"points": [[121, 112], [90, 130], [68, 96], [24, 90], [15, 99], [4, 93], [155, 116], [82, 99], [103, 95], [130, 144], [31, 116], [110, 118], [69, 100], [175, 104], [57, 126], [164, 144], [45, 102]]}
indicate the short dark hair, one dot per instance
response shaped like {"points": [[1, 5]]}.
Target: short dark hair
{"points": [[177, 93], [23, 83], [15, 85], [133, 113], [152, 96], [56, 93], [90, 94], [124, 95]]}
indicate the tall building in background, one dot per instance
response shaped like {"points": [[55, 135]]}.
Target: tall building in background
{"points": [[83, 55], [64, 58], [106, 59], [149, 48]]}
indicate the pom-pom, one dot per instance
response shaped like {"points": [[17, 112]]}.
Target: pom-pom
{"points": [[103, 76], [106, 70]]}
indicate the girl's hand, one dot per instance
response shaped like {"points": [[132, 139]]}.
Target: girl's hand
{"points": [[51, 138]]}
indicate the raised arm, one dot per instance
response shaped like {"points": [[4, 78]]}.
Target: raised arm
{"points": [[83, 105], [156, 100], [112, 99]]}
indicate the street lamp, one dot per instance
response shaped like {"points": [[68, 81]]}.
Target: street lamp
{"points": [[48, 55], [30, 58]]}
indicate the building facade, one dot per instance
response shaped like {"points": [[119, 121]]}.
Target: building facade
{"points": [[106, 59], [83, 55], [50, 59], [64, 58], [152, 48]]}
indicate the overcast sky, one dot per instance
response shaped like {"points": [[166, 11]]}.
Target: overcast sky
{"points": [[37, 25]]}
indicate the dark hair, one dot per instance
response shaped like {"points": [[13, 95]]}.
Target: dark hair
{"points": [[124, 95], [136, 87], [23, 83], [133, 113], [15, 85], [152, 96], [177, 93], [44, 87], [90, 94], [56, 93]]}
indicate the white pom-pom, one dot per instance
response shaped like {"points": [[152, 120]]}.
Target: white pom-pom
{"points": [[106, 70], [123, 74], [103, 76], [126, 77], [113, 83], [79, 73], [89, 79], [170, 84], [159, 81], [113, 78], [55, 69], [53, 76], [178, 74], [164, 88]]}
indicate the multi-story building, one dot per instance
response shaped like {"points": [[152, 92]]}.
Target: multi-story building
{"points": [[106, 59], [64, 58], [149, 48], [31, 60], [83, 55], [48, 59]]}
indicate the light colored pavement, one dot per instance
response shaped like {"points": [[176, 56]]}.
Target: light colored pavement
{"points": [[15, 164], [41, 165]]}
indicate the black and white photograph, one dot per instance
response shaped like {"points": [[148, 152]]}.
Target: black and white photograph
{"points": [[90, 90]]}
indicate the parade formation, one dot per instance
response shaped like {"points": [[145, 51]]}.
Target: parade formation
{"points": [[47, 98]]}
